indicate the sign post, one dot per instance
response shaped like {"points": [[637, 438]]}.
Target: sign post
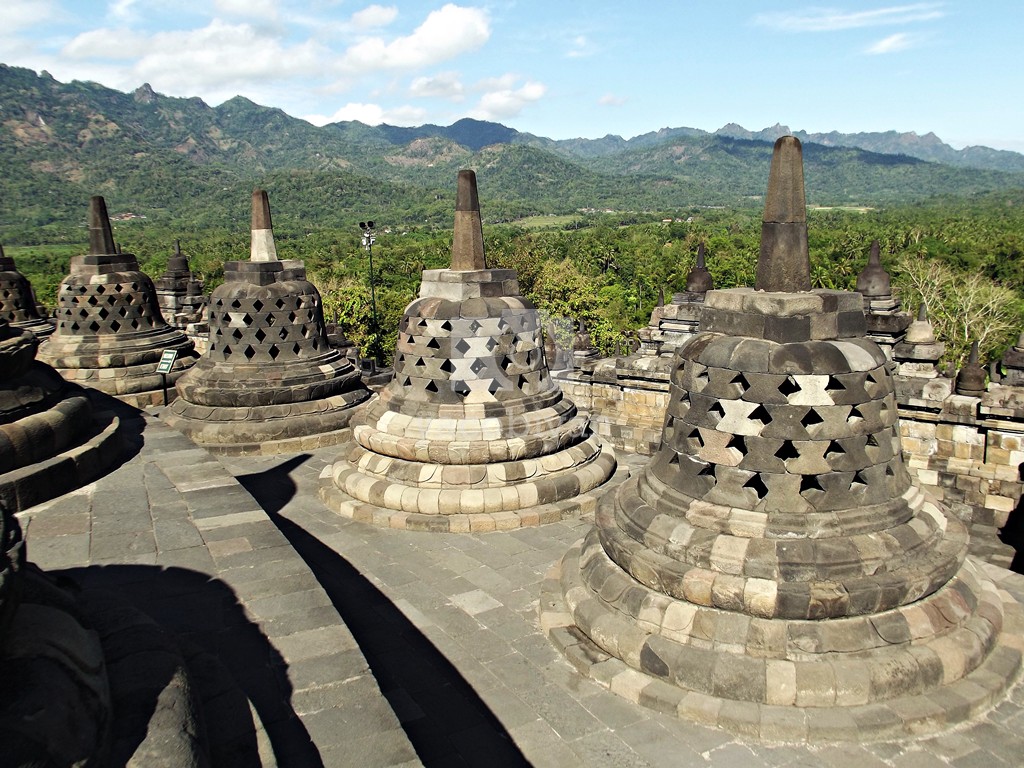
{"points": [[164, 367]]}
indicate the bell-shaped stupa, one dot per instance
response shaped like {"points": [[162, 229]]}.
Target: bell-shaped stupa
{"points": [[52, 440], [18, 304], [110, 334], [773, 569], [472, 433], [269, 381]]}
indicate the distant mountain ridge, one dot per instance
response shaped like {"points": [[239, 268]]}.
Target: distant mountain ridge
{"points": [[179, 158]]}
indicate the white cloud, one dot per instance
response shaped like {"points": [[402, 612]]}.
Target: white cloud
{"points": [[246, 9], [371, 114], [504, 102], [891, 44], [96, 44], [830, 20], [444, 34], [374, 16], [611, 100], [213, 60], [122, 10], [579, 48], [445, 85], [20, 14]]}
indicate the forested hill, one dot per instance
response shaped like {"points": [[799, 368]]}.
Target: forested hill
{"points": [[183, 161]]}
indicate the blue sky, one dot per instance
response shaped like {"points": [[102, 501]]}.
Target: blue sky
{"points": [[557, 68]]}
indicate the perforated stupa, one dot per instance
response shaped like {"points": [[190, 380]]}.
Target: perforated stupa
{"points": [[773, 569], [269, 380], [110, 334], [472, 433]]}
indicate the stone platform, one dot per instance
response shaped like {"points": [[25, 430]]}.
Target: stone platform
{"points": [[471, 598]]}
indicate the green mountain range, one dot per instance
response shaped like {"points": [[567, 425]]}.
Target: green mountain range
{"points": [[181, 161]]}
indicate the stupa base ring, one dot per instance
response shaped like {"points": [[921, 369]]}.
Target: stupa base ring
{"points": [[921, 714], [604, 476]]}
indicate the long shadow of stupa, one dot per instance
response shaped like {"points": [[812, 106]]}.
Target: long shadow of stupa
{"points": [[448, 723]]}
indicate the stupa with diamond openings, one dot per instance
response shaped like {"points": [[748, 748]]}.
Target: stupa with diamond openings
{"points": [[269, 381], [472, 434], [110, 334], [17, 300], [773, 569]]}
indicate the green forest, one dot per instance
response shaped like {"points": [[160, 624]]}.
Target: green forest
{"points": [[963, 256]]}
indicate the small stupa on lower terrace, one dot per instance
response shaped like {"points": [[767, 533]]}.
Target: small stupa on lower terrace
{"points": [[269, 381], [472, 434], [110, 334], [774, 570], [18, 301]]}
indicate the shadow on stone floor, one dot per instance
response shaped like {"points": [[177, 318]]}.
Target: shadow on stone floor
{"points": [[446, 721], [230, 661]]}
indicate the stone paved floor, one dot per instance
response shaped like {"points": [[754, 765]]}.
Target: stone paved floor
{"points": [[391, 647]]}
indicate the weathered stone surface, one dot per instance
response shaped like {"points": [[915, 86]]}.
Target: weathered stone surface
{"points": [[110, 332], [779, 515], [472, 413], [269, 379]]}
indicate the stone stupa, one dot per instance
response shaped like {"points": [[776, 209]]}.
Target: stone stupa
{"points": [[178, 292], [886, 322], [472, 434], [110, 334], [269, 381], [18, 304], [52, 439], [773, 570], [675, 323]]}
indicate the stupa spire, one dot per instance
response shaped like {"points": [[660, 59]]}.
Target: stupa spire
{"points": [[468, 237], [101, 238], [262, 248], [784, 264]]}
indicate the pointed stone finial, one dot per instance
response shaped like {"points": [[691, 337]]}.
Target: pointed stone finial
{"points": [[784, 263], [661, 297], [970, 380], [468, 239], [262, 246], [922, 312], [699, 279], [874, 281], [101, 238], [1, 251], [177, 247]]}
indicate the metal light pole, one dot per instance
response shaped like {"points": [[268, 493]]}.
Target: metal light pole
{"points": [[369, 238]]}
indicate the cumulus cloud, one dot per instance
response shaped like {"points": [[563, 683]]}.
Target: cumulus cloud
{"points": [[502, 101], [830, 20], [611, 100], [20, 14], [444, 34], [215, 58], [445, 85], [891, 44], [374, 16], [371, 114]]}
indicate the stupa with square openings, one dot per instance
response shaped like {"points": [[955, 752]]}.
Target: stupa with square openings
{"points": [[110, 334], [472, 433], [773, 569], [269, 380]]}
